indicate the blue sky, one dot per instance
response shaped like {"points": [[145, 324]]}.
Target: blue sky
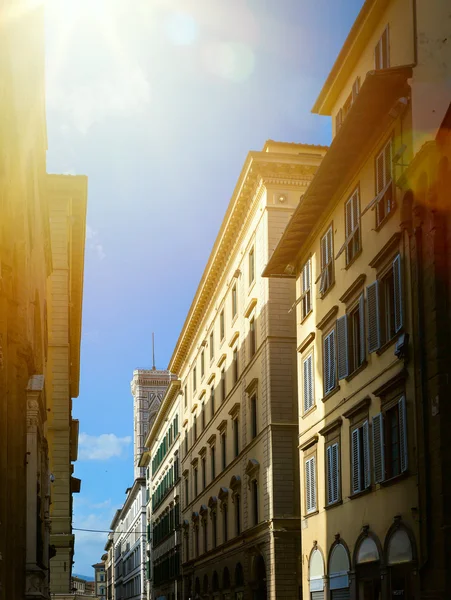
{"points": [[158, 105]]}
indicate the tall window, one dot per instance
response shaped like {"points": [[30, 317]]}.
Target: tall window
{"points": [[306, 293], [382, 51], [255, 516], [234, 301], [214, 526], [194, 379], [223, 385], [196, 539], [308, 382], [196, 490], [351, 339], [236, 436], [384, 183], [360, 458], [333, 473], [205, 524], [251, 265], [203, 415], [204, 473], [390, 451], [352, 217], [212, 400], [329, 362], [223, 450], [213, 462], [221, 325], [253, 409], [235, 365], [195, 427], [310, 484], [186, 491], [252, 343], [225, 521], [186, 443], [212, 345], [185, 394], [238, 514], [327, 261], [202, 363]]}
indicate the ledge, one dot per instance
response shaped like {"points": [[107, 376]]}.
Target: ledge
{"points": [[211, 378], [250, 307], [221, 359], [194, 407], [234, 410], [309, 443], [212, 439], [359, 369], [353, 288], [384, 254], [222, 425], [327, 317], [360, 406], [336, 424], [397, 379], [331, 393], [252, 386], [306, 342], [234, 338]]}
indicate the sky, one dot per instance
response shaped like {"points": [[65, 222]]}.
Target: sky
{"points": [[158, 102]]}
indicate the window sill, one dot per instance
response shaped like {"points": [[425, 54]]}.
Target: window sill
{"points": [[331, 393], [362, 493], [311, 514], [386, 345], [353, 259], [330, 506], [309, 411], [324, 294], [306, 316], [387, 217], [395, 479], [357, 371]]}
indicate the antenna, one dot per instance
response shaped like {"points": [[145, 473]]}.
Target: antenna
{"points": [[153, 351]]}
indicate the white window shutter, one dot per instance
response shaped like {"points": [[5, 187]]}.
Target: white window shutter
{"points": [[308, 383], [313, 481], [372, 295], [355, 462], [366, 455], [403, 433], [342, 346], [330, 484], [362, 329], [378, 448], [397, 291], [308, 486]]}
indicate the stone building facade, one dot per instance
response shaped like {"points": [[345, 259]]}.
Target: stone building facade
{"points": [[236, 363], [369, 249]]}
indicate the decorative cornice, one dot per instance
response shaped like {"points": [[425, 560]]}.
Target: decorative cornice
{"points": [[397, 380], [306, 342], [203, 451], [222, 425], [233, 412], [327, 317], [234, 338], [250, 307], [212, 439], [355, 286], [221, 359], [389, 248], [252, 386], [211, 378], [309, 443], [336, 424], [360, 406]]}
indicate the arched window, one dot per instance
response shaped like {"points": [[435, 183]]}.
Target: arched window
{"points": [[205, 585], [239, 575], [338, 572], [367, 551], [197, 586], [399, 548], [316, 575], [225, 579], [215, 582]]}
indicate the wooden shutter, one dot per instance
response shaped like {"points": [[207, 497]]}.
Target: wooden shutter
{"points": [[355, 459], [372, 295], [362, 348], [378, 448], [403, 434], [332, 366], [310, 485], [366, 455], [332, 474], [397, 291], [329, 476], [342, 345], [308, 383], [313, 482]]}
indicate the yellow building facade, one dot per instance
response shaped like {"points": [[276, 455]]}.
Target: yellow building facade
{"points": [[361, 465]]}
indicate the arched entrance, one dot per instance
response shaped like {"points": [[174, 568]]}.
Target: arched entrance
{"points": [[400, 562], [239, 582], [367, 566], [259, 578], [316, 575], [339, 567]]}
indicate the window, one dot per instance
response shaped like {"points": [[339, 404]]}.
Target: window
{"points": [[327, 262], [212, 400], [194, 379], [251, 266], [352, 219], [333, 473], [385, 202], [214, 526], [235, 365], [224, 450], [238, 514], [253, 407], [255, 501], [236, 437], [234, 302], [204, 473], [382, 51], [212, 346], [308, 382], [186, 491], [205, 535], [385, 306], [196, 490], [195, 427], [252, 344], [306, 293], [221, 325], [223, 385], [196, 539], [310, 485], [351, 339], [390, 442], [225, 521], [329, 362], [203, 415], [202, 364], [360, 458], [185, 394], [213, 463], [186, 443]]}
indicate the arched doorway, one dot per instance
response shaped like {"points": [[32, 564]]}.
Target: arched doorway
{"points": [[205, 586], [316, 575], [197, 588], [239, 582], [400, 561], [367, 566], [339, 567], [259, 578], [226, 584]]}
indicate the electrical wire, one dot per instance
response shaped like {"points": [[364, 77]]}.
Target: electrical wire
{"points": [[107, 531]]}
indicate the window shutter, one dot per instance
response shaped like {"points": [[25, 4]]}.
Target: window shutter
{"points": [[330, 484], [378, 448], [397, 291], [342, 343], [362, 329], [349, 216], [326, 367], [372, 294], [366, 455], [355, 461], [309, 485], [332, 474], [380, 179], [313, 482], [308, 383], [403, 433], [332, 366]]}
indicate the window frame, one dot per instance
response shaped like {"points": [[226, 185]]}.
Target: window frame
{"points": [[224, 450], [235, 365], [379, 63], [332, 444], [309, 459], [222, 325], [306, 292], [385, 189], [202, 364], [194, 379], [251, 266], [223, 385], [252, 338], [309, 357], [236, 436], [212, 345], [364, 475], [353, 236], [381, 439], [328, 390], [327, 270], [234, 301], [253, 415]]}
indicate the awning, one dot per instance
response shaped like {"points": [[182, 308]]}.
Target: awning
{"points": [[368, 116]]}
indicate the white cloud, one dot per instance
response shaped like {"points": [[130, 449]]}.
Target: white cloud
{"points": [[101, 447]]}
